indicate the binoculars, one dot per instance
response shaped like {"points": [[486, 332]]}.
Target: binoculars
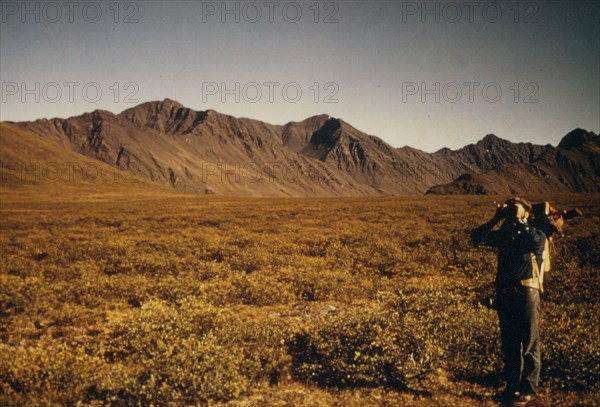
{"points": [[541, 215]]}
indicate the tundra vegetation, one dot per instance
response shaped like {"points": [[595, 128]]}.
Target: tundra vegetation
{"points": [[192, 300]]}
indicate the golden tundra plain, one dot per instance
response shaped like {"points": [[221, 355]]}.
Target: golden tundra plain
{"points": [[131, 298]]}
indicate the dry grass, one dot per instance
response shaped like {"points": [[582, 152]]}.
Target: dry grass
{"points": [[178, 299]]}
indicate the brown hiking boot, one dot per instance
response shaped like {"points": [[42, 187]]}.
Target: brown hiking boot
{"points": [[524, 400]]}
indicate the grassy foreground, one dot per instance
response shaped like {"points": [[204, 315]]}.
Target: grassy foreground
{"points": [[193, 300]]}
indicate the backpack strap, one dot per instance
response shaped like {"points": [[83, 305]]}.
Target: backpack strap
{"points": [[536, 280]]}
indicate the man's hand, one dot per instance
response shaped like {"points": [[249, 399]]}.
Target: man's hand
{"points": [[501, 212]]}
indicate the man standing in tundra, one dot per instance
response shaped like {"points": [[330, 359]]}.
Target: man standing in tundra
{"points": [[518, 288]]}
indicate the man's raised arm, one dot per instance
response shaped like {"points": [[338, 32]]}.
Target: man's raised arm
{"points": [[482, 235]]}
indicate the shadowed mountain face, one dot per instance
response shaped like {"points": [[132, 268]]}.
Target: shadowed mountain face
{"points": [[208, 152], [492, 152], [573, 166]]}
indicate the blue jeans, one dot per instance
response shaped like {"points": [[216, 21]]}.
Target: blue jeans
{"points": [[519, 312]]}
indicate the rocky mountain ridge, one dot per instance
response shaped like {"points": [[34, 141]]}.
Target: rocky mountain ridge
{"points": [[209, 152]]}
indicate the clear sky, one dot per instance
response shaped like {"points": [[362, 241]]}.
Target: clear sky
{"points": [[523, 70]]}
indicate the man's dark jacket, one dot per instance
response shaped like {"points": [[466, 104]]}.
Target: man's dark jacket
{"points": [[516, 242]]}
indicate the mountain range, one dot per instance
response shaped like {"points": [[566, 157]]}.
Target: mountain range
{"points": [[167, 145]]}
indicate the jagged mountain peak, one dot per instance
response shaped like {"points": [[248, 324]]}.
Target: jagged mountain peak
{"points": [[98, 114], [491, 140], [168, 106], [318, 118], [169, 115], [443, 150], [164, 116], [168, 101], [156, 107], [577, 138]]}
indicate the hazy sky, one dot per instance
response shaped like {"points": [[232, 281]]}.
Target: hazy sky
{"points": [[525, 71]]}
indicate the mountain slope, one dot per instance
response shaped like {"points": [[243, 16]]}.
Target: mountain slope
{"points": [[29, 162], [373, 162]]}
